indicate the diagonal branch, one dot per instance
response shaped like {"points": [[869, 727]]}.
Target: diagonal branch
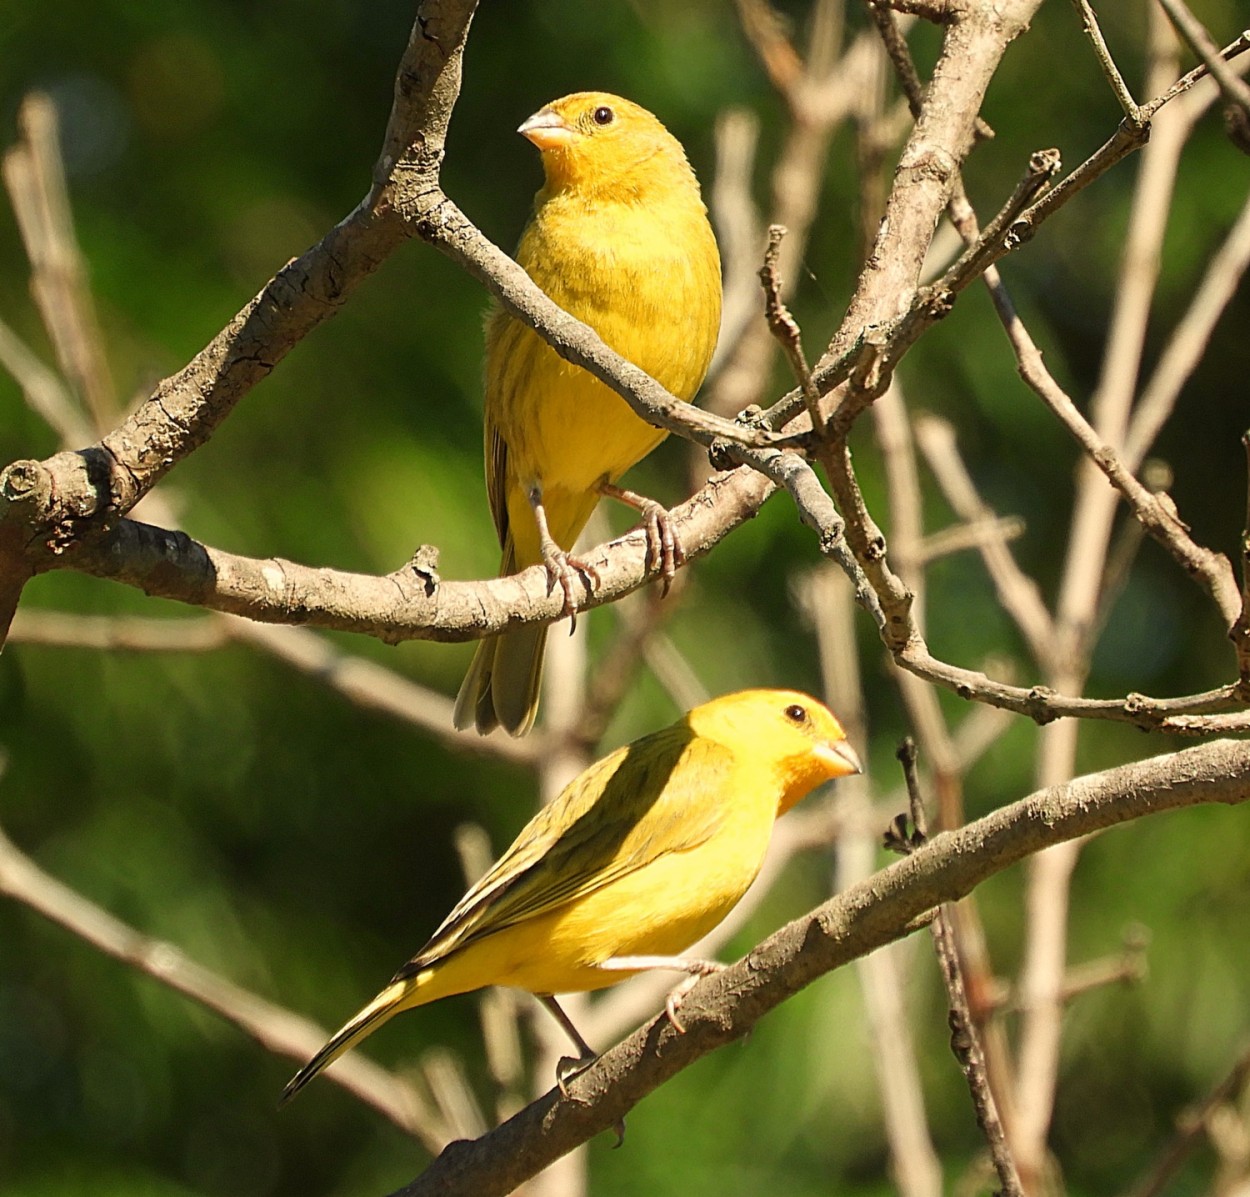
{"points": [[275, 1028]]}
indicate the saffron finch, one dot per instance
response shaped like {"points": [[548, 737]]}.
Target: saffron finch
{"points": [[634, 861], [620, 239]]}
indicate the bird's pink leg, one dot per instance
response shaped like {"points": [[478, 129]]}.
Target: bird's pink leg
{"points": [[562, 566], [663, 547]]}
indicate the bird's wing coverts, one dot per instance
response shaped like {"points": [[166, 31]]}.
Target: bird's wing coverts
{"points": [[659, 795]]}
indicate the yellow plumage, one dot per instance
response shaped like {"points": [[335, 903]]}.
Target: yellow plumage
{"points": [[640, 856], [620, 239]]}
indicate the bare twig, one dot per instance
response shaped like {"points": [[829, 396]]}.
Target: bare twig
{"points": [[998, 237], [497, 1007], [1241, 630], [977, 534], [64, 629], [1157, 515], [1017, 592], [785, 328], [827, 601], [1192, 1127], [965, 1042], [1189, 339], [275, 1028], [44, 392], [737, 226], [1202, 44], [35, 177], [1089, 22]]}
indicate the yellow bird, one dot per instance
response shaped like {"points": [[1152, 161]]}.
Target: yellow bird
{"points": [[620, 239], [637, 858]]}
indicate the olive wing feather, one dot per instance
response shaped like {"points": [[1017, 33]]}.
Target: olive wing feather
{"points": [[653, 797]]}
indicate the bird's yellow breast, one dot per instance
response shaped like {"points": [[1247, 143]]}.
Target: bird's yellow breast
{"points": [[646, 277]]}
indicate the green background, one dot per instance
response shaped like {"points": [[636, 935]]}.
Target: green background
{"points": [[303, 846]]}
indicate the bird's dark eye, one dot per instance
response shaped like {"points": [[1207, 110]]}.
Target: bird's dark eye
{"points": [[603, 115], [796, 713]]}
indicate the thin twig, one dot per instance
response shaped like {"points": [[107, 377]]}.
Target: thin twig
{"points": [[1204, 45], [497, 1008], [998, 237], [975, 534], [275, 1028], [1189, 339], [1209, 568], [35, 175], [1191, 1128], [785, 328], [1019, 594], [127, 633], [1089, 22], [43, 391], [1241, 630], [826, 599], [965, 1043]]}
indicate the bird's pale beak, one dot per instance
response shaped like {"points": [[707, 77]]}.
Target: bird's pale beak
{"points": [[839, 757], [546, 129]]}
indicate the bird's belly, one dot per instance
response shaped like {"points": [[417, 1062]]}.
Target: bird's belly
{"points": [[578, 431], [659, 910]]}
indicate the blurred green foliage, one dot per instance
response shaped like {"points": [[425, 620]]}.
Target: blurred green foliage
{"points": [[303, 846]]}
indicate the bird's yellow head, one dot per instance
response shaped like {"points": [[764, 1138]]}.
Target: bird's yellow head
{"points": [[789, 733], [592, 140]]}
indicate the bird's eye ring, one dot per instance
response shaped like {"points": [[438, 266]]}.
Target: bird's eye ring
{"points": [[603, 115], [796, 713]]}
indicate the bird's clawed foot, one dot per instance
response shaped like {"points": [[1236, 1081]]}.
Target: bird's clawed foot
{"points": [[697, 969], [570, 1067], [663, 547], [563, 569]]}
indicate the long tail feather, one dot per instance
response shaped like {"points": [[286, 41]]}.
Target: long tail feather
{"points": [[387, 1002]]}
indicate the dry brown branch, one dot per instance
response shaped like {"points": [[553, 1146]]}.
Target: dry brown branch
{"points": [[724, 1007], [1193, 1126], [827, 602], [966, 932], [375, 687], [43, 391], [820, 94], [1189, 340], [737, 226], [361, 681], [1089, 22], [1126, 967], [965, 1042], [564, 684], [785, 328], [497, 1007], [959, 538], [1156, 513], [51, 508], [275, 1028], [1204, 45], [412, 603], [1048, 889], [1018, 593], [64, 629], [35, 177]]}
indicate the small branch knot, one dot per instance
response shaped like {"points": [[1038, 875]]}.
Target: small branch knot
{"points": [[21, 480]]}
